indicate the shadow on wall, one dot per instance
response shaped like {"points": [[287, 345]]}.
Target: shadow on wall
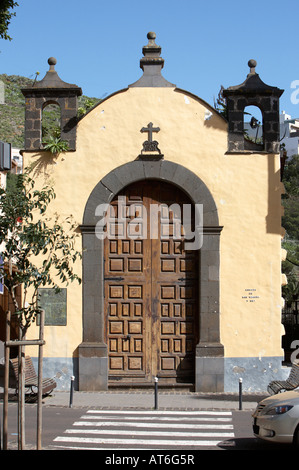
{"points": [[212, 119], [273, 218], [42, 163]]}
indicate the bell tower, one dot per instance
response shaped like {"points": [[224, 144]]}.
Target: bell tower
{"points": [[253, 92], [50, 90]]}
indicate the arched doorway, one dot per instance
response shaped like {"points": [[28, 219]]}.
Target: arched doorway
{"points": [[93, 351], [151, 286]]}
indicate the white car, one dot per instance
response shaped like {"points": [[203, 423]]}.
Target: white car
{"points": [[276, 418]]}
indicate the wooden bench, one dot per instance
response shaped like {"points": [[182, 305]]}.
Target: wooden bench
{"points": [[290, 383], [31, 379]]}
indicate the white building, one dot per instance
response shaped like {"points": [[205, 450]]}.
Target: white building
{"points": [[289, 133], [17, 161]]}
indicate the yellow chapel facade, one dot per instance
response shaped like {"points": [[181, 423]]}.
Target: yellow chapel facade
{"points": [[179, 222]]}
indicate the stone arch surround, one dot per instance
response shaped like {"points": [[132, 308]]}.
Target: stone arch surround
{"points": [[93, 356]]}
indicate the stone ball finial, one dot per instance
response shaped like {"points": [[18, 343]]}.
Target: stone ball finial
{"points": [[151, 35], [52, 61], [252, 64]]}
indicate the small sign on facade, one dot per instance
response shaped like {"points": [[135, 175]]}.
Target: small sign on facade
{"points": [[55, 306], [250, 295]]}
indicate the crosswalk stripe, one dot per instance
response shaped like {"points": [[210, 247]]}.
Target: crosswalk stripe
{"points": [[149, 425], [120, 432], [162, 418], [162, 412], [99, 429], [144, 442]]}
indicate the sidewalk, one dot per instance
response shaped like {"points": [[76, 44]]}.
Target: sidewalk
{"points": [[146, 400]]}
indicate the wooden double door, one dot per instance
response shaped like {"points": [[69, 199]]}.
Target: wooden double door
{"points": [[151, 287]]}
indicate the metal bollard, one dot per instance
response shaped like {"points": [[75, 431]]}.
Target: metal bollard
{"points": [[240, 394], [72, 391], [156, 393]]}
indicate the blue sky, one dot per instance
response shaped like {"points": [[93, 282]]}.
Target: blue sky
{"points": [[205, 44]]}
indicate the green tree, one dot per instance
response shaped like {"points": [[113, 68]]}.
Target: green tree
{"points": [[86, 104], [37, 251], [290, 199], [290, 267], [290, 222], [5, 16], [291, 176]]}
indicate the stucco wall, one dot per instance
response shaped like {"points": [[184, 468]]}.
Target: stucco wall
{"points": [[246, 189]]}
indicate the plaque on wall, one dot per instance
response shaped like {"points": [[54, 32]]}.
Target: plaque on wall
{"points": [[54, 305]]}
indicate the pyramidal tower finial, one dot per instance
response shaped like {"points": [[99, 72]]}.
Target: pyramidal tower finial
{"points": [[152, 64]]}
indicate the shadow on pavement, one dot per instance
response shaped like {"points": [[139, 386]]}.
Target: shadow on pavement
{"points": [[252, 443], [248, 397]]}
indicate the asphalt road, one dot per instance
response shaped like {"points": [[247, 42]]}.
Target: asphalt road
{"points": [[57, 419]]}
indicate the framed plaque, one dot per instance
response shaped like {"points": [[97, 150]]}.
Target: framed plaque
{"points": [[55, 306]]}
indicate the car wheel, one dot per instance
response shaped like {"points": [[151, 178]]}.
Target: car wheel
{"points": [[296, 438]]}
